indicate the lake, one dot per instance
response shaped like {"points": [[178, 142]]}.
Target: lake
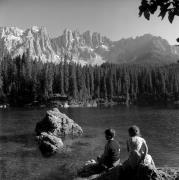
{"points": [[21, 159]]}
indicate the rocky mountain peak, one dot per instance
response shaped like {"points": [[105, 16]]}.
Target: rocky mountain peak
{"points": [[15, 41], [67, 38], [13, 31], [35, 29], [85, 48], [88, 38], [96, 39]]}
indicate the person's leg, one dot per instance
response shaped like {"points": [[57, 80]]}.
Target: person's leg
{"points": [[149, 160], [134, 159], [90, 169]]}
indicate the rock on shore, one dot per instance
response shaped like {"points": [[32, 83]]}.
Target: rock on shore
{"points": [[142, 173], [54, 126]]}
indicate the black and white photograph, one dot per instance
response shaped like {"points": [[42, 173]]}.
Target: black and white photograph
{"points": [[89, 89]]}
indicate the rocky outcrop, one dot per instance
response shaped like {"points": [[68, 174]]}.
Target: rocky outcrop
{"points": [[14, 42], [81, 47], [58, 124], [149, 173], [118, 173], [54, 126], [49, 144], [85, 48]]}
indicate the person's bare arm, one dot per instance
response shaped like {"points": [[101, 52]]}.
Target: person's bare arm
{"points": [[145, 149]]}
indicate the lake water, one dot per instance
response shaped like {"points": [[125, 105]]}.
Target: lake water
{"points": [[20, 158]]}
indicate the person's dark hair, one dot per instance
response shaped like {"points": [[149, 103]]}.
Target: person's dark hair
{"points": [[134, 131], [110, 133]]}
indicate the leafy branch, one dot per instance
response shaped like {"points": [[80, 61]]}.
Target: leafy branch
{"points": [[165, 7]]}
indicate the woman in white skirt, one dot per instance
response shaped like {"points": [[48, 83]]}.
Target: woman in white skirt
{"points": [[138, 149]]}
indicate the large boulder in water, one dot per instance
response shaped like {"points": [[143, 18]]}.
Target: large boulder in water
{"points": [[49, 144], [58, 124], [54, 126]]}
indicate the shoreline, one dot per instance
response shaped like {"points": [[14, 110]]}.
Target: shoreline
{"points": [[86, 104], [169, 105]]}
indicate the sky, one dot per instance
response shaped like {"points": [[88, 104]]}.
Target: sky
{"points": [[114, 19]]}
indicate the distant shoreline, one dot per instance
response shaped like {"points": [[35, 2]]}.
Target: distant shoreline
{"points": [[88, 104]]}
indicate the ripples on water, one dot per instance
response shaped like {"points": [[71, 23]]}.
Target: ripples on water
{"points": [[21, 159]]}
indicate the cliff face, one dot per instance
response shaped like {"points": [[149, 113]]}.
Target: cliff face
{"points": [[14, 42], [85, 48], [92, 48]]}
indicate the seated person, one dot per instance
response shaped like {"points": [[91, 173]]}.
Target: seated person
{"points": [[138, 149], [111, 156]]}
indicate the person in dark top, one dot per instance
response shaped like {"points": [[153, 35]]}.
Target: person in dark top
{"points": [[109, 159], [111, 156]]}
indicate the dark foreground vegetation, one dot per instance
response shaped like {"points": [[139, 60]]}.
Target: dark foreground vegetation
{"points": [[23, 80]]}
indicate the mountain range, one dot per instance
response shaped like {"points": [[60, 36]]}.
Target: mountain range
{"points": [[85, 48]]}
